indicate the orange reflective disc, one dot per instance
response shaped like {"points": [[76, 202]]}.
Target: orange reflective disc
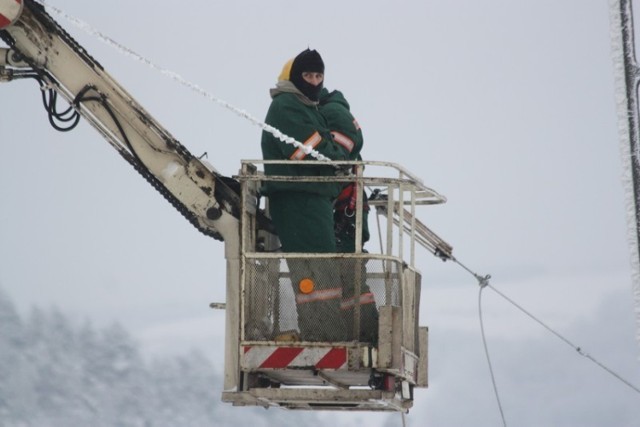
{"points": [[306, 286]]}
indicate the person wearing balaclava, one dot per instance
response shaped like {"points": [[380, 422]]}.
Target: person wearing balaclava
{"points": [[302, 212]]}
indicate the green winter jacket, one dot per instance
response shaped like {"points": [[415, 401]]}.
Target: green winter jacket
{"points": [[345, 131], [342, 125], [296, 116]]}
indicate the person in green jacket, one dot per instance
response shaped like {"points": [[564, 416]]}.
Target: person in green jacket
{"points": [[347, 132], [302, 212]]}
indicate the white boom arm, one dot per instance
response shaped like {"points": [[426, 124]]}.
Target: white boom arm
{"points": [[41, 49]]}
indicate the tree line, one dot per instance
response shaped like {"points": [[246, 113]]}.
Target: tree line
{"points": [[55, 372]]}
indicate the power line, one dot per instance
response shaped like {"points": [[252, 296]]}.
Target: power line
{"points": [[486, 352], [566, 341], [483, 282]]}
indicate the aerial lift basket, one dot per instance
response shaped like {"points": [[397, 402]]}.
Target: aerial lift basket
{"points": [[369, 354]]}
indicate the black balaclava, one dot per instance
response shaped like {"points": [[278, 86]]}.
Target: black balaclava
{"points": [[307, 61]]}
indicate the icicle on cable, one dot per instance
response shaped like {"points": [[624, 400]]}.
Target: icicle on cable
{"points": [[194, 87]]}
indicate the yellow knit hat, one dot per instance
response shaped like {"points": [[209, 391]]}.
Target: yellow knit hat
{"points": [[285, 74]]}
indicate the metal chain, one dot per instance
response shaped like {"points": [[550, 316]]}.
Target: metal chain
{"points": [[181, 208]]}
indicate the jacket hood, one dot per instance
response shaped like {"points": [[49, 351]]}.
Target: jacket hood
{"points": [[336, 96]]}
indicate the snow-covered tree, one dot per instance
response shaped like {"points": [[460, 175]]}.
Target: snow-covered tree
{"points": [[54, 372]]}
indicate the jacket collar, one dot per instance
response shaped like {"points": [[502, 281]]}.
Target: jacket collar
{"points": [[285, 86]]}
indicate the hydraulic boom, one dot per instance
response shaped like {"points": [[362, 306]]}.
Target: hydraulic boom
{"points": [[41, 49]]}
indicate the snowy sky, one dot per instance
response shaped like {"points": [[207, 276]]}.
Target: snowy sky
{"points": [[506, 107]]}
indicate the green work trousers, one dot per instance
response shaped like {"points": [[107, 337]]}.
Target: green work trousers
{"points": [[304, 222], [352, 272]]}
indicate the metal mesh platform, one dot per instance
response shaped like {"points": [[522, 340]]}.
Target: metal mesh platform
{"points": [[277, 310]]}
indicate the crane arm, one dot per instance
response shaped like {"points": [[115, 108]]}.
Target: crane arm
{"points": [[42, 49]]}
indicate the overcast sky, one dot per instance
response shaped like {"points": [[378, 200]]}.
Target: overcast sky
{"points": [[506, 107]]}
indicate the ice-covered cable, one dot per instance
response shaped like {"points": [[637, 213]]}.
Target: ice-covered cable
{"points": [[194, 87], [622, 51]]}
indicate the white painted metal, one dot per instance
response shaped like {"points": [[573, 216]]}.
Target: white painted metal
{"points": [[10, 11]]}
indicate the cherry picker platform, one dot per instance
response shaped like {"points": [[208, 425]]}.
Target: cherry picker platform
{"points": [[270, 363]]}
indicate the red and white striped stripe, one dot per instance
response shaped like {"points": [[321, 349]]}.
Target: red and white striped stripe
{"points": [[272, 357], [9, 12]]}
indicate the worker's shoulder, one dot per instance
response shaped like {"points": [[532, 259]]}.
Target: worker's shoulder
{"points": [[286, 98], [334, 100]]}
